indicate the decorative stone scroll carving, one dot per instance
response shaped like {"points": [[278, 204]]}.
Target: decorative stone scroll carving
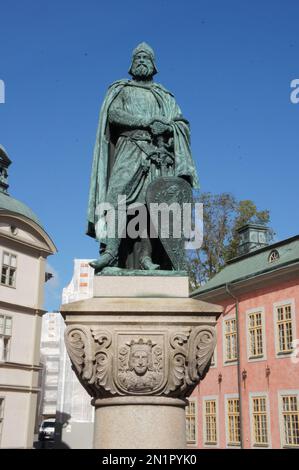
{"points": [[152, 362]]}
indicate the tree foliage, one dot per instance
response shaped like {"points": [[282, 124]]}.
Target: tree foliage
{"points": [[223, 215]]}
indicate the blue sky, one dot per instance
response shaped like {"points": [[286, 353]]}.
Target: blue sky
{"points": [[229, 64]]}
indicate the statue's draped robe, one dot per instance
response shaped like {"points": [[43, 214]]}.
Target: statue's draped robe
{"points": [[118, 163]]}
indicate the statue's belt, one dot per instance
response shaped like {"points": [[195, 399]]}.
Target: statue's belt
{"points": [[137, 134], [140, 137]]}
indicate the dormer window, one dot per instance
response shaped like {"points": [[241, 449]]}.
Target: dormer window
{"points": [[274, 255]]}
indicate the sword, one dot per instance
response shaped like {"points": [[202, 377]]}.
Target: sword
{"points": [[162, 159]]}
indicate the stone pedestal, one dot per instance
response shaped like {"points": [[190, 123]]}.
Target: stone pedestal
{"points": [[139, 357], [140, 423]]}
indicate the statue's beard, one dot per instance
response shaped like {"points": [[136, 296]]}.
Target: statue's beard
{"points": [[142, 72]]}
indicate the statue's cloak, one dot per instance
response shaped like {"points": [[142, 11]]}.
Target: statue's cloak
{"points": [[103, 159]]}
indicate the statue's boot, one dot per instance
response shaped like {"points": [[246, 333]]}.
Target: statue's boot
{"points": [[145, 260], [146, 263], [106, 259], [109, 256]]}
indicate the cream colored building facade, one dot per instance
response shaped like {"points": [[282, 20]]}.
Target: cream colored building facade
{"points": [[24, 248]]}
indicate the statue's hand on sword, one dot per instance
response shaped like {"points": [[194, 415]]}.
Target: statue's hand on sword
{"points": [[159, 126]]}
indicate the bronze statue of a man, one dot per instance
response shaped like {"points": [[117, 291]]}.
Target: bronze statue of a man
{"points": [[141, 136]]}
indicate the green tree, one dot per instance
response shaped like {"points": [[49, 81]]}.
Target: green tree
{"points": [[223, 215]]}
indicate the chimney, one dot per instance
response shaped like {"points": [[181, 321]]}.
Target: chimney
{"points": [[252, 237]]}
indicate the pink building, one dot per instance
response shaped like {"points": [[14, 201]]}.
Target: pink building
{"points": [[254, 401]]}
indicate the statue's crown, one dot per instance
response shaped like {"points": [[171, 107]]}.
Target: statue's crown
{"points": [[144, 47], [145, 343]]}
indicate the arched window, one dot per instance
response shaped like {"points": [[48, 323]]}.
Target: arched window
{"points": [[274, 255]]}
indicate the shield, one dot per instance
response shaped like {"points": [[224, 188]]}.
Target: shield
{"points": [[168, 199]]}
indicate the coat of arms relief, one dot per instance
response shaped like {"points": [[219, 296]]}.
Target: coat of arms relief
{"points": [[141, 367]]}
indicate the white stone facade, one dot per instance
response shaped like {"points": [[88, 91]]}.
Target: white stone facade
{"points": [[75, 415], [52, 328]]}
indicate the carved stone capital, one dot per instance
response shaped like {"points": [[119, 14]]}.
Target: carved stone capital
{"points": [[167, 361]]}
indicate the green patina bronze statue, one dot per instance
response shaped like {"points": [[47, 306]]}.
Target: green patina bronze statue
{"points": [[142, 136]]}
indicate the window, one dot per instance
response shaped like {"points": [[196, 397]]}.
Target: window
{"points": [[50, 395], [191, 422], [255, 331], [274, 255], [230, 340], [290, 415], [84, 265], [233, 421], [210, 422], [51, 380], [5, 336], [1, 415], [260, 423], [284, 328], [52, 364], [8, 272]]}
